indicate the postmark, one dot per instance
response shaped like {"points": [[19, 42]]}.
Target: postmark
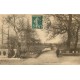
{"points": [[37, 21]]}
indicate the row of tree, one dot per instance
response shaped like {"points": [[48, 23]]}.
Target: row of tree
{"points": [[65, 23], [24, 34]]}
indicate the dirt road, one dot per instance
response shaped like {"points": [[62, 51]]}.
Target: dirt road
{"points": [[45, 58]]}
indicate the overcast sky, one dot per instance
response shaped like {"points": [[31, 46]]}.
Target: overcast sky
{"points": [[41, 32]]}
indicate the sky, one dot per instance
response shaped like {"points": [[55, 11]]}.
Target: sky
{"points": [[44, 36], [41, 32]]}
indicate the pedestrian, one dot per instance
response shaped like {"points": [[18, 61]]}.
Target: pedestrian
{"points": [[57, 52]]}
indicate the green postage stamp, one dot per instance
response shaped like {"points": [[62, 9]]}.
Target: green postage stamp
{"points": [[37, 21]]}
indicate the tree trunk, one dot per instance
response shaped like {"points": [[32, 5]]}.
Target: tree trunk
{"points": [[68, 32], [76, 41], [17, 44]]}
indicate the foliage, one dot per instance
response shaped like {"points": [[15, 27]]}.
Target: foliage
{"points": [[25, 36], [64, 23]]}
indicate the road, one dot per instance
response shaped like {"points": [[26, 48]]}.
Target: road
{"points": [[45, 58]]}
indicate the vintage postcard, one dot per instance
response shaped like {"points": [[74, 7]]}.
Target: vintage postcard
{"points": [[39, 39]]}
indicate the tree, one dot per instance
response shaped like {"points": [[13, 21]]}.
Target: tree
{"points": [[69, 30], [12, 45], [76, 29], [24, 34], [27, 36], [12, 21], [65, 23], [12, 41]]}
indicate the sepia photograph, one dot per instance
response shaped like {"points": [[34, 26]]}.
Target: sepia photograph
{"points": [[39, 39]]}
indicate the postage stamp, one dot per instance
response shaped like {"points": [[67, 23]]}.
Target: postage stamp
{"points": [[37, 21]]}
